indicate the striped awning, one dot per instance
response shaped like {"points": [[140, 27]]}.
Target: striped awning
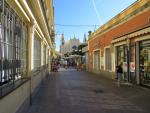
{"points": [[119, 39], [140, 32]]}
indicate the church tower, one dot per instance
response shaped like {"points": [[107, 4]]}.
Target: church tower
{"points": [[62, 39]]}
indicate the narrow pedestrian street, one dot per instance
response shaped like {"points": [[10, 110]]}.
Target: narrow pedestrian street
{"points": [[71, 91]]}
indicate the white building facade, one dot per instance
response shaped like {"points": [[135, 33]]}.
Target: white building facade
{"points": [[69, 45]]}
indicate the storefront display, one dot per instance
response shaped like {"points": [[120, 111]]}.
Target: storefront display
{"points": [[145, 62]]}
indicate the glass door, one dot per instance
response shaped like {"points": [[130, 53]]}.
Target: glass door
{"points": [[122, 60], [132, 64]]}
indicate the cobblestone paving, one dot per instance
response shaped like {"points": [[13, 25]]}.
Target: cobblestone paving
{"points": [[82, 92]]}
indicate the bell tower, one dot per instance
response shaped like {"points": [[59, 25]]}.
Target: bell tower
{"points": [[62, 39]]}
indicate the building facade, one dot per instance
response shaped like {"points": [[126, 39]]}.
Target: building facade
{"points": [[26, 41], [124, 40], [68, 46]]}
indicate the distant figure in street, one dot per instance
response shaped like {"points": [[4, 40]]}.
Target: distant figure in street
{"points": [[78, 64], [66, 64], [119, 73]]}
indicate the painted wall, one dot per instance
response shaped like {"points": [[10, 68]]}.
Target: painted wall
{"points": [[14, 100]]}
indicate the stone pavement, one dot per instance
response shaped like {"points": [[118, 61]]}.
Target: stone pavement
{"points": [[68, 69], [83, 92]]}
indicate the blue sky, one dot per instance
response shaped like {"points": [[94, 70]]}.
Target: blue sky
{"points": [[84, 12]]}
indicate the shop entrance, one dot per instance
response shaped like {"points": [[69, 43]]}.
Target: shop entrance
{"points": [[122, 60], [126, 58]]}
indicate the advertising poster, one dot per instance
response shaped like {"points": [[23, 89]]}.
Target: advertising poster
{"points": [[132, 66]]}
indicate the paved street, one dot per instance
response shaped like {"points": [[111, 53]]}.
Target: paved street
{"points": [[73, 91]]}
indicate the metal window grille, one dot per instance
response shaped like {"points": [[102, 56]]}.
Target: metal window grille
{"points": [[13, 49]]}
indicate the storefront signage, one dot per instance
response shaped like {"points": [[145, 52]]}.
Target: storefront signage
{"points": [[132, 67]]}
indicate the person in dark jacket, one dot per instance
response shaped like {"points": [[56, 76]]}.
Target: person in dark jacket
{"points": [[116, 71], [119, 73]]}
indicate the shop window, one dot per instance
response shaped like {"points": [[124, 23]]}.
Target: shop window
{"points": [[122, 60], [120, 55], [145, 62]]}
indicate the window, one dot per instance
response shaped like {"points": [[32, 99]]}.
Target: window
{"points": [[122, 59], [37, 53], [121, 54], [13, 49], [145, 62], [108, 65], [47, 56], [97, 60], [44, 55]]}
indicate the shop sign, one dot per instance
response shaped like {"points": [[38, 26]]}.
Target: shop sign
{"points": [[125, 66], [132, 67]]}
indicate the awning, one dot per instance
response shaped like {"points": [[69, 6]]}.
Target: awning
{"points": [[119, 39], [140, 32], [133, 34]]}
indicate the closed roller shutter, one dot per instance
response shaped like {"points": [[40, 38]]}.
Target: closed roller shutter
{"points": [[108, 65]]}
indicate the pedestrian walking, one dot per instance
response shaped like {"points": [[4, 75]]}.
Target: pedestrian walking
{"points": [[66, 64], [78, 64], [119, 74], [116, 72]]}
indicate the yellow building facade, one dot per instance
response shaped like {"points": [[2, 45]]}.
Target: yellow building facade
{"points": [[26, 44]]}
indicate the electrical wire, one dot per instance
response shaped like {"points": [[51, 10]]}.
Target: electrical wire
{"points": [[65, 25], [96, 11]]}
